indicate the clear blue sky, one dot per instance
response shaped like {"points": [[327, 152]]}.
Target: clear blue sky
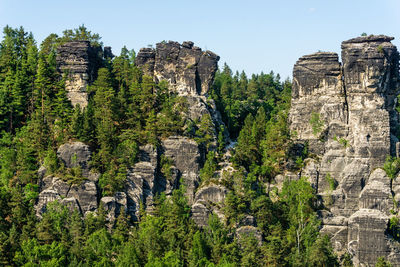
{"points": [[253, 36]]}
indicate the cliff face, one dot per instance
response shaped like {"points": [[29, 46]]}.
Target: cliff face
{"points": [[188, 69], [190, 73], [346, 116], [79, 61]]}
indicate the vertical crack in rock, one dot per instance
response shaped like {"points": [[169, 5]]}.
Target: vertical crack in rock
{"points": [[357, 122], [188, 69], [78, 61]]}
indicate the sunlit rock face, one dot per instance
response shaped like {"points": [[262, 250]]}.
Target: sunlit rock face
{"points": [[345, 114], [78, 61], [188, 69]]}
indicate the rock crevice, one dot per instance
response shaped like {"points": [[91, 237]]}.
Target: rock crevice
{"points": [[346, 115]]}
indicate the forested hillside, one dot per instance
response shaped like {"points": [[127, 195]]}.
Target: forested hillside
{"points": [[126, 110]]}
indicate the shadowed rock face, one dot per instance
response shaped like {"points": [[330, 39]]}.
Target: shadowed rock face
{"points": [[79, 61], [83, 196], [188, 69], [355, 106]]}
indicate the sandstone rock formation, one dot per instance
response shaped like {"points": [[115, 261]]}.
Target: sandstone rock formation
{"points": [[187, 159], [83, 196], [346, 116], [188, 69], [189, 72], [208, 200], [79, 61]]}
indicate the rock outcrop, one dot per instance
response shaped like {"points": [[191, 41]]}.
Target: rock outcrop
{"points": [[83, 195], [78, 61], [208, 200], [189, 72], [187, 159], [345, 115], [188, 69]]}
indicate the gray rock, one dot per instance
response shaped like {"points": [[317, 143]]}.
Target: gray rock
{"points": [[366, 236], [75, 154], [208, 199], [141, 183], [113, 206], [212, 193], [188, 69], [186, 157], [79, 61], [72, 203], [200, 214], [355, 107], [45, 196], [83, 196], [86, 195], [244, 231]]}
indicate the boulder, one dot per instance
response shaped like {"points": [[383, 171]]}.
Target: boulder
{"points": [[113, 205]]}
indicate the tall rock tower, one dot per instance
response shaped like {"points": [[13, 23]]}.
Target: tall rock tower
{"points": [[345, 114], [79, 61]]}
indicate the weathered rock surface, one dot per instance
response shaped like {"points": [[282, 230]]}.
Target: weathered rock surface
{"points": [[113, 205], [75, 154], [249, 231], [79, 61], [83, 196], [346, 116], [188, 69], [187, 158], [208, 199], [140, 185], [366, 236]]}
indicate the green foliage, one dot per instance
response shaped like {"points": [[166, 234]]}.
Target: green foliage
{"points": [[81, 34], [391, 166], [205, 132], [166, 167], [394, 227], [331, 181], [125, 110], [316, 123], [380, 49], [210, 166], [382, 262]]}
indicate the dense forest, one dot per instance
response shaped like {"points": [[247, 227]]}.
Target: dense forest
{"points": [[127, 109]]}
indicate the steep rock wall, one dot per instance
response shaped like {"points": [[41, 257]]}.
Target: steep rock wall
{"points": [[346, 116], [188, 69], [79, 61]]}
